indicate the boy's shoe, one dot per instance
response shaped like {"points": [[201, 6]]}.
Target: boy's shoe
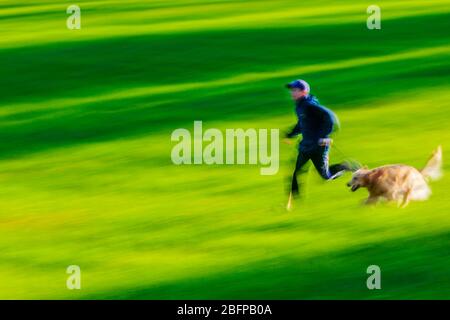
{"points": [[338, 174], [289, 204]]}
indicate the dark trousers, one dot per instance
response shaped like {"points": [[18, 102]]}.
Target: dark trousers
{"points": [[320, 158]]}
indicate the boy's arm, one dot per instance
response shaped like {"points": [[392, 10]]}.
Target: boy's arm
{"points": [[295, 131]]}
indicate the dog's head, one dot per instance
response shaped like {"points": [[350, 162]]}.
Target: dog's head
{"points": [[359, 179]]}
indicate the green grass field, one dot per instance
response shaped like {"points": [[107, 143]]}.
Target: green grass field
{"points": [[86, 176]]}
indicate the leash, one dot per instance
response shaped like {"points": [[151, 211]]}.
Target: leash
{"points": [[338, 150], [351, 160]]}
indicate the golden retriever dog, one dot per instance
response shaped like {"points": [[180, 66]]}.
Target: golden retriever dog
{"points": [[400, 183]]}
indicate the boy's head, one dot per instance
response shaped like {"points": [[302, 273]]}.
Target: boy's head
{"points": [[299, 88]]}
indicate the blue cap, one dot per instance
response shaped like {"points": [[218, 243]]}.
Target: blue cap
{"points": [[299, 84]]}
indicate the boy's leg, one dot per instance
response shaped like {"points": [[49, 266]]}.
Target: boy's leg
{"points": [[302, 159], [320, 160]]}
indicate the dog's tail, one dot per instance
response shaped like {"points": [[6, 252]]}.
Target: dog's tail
{"points": [[432, 169]]}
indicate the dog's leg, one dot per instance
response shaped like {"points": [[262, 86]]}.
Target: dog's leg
{"points": [[371, 200], [397, 198], [289, 204], [406, 199], [400, 198]]}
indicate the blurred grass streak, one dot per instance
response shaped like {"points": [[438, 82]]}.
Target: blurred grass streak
{"points": [[107, 18], [86, 176]]}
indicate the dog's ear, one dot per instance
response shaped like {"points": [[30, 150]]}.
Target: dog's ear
{"points": [[376, 175]]}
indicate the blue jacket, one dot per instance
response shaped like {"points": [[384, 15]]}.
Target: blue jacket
{"points": [[314, 122]]}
